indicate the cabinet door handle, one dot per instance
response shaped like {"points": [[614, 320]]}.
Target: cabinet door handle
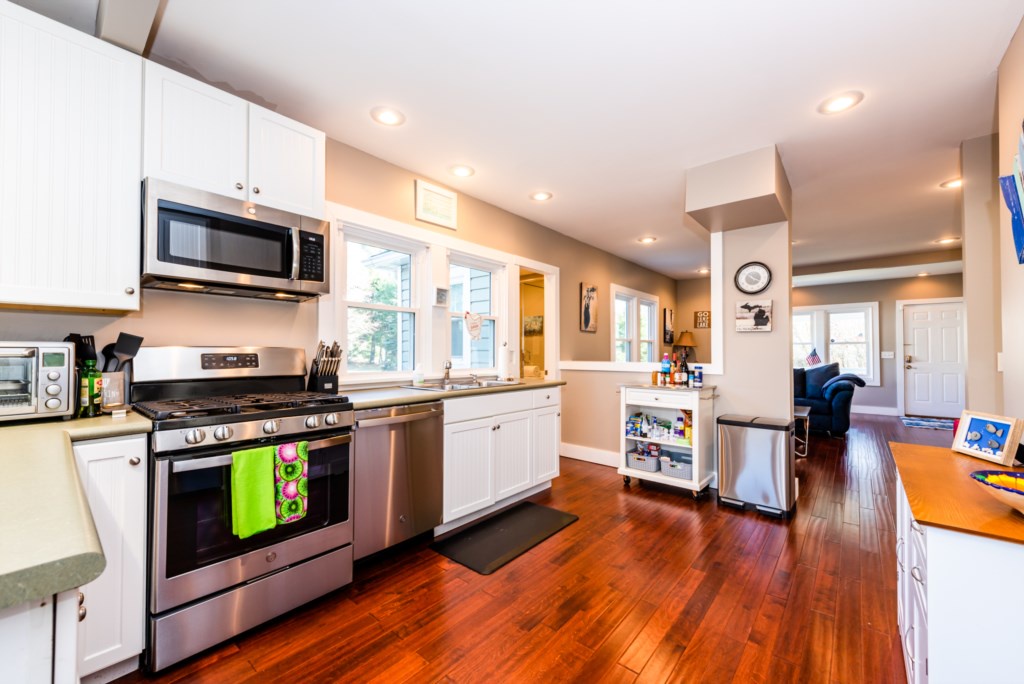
{"points": [[497, 427], [915, 572], [239, 186], [255, 190], [81, 598], [916, 526], [134, 460], [129, 290], [559, 414], [82, 612]]}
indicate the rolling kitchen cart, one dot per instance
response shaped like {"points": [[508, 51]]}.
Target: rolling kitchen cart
{"points": [[691, 463]]}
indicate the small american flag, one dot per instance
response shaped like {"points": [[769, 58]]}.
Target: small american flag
{"points": [[813, 359]]}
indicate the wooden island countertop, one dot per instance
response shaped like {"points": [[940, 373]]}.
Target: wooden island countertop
{"points": [[941, 493]]}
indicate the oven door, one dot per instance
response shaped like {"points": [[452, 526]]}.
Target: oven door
{"points": [[17, 382], [193, 552]]}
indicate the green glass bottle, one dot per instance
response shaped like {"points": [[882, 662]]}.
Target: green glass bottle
{"points": [[90, 390]]}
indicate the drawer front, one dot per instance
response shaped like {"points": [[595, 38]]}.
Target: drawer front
{"points": [[549, 396], [672, 399], [485, 405]]}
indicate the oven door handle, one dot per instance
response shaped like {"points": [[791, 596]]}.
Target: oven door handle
{"points": [[226, 459], [296, 253], [20, 353]]}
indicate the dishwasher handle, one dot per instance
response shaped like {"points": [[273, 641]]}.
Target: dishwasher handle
{"points": [[394, 420]]}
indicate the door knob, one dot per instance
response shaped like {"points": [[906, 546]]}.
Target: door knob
{"points": [[908, 367]]}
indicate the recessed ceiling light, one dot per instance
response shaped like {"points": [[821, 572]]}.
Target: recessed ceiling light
{"points": [[703, 271], [542, 196], [462, 171], [952, 183], [649, 240], [947, 241], [922, 274], [387, 116], [251, 210], [840, 103]]}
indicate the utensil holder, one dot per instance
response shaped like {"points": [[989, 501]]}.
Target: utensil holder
{"points": [[323, 383]]}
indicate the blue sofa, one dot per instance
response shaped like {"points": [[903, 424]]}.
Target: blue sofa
{"points": [[829, 395]]}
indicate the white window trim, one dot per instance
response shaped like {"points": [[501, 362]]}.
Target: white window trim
{"points": [[499, 309], [820, 334], [636, 296]]}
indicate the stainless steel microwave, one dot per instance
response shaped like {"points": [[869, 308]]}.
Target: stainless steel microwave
{"points": [[196, 241], [37, 380]]}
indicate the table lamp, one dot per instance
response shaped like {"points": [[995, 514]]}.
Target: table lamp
{"points": [[687, 342]]}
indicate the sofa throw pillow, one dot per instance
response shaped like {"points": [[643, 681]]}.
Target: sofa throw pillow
{"points": [[818, 376], [799, 382]]}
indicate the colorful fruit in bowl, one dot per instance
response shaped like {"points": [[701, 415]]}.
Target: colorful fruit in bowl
{"points": [[1006, 486]]}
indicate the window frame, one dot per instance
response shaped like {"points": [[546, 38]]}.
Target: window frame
{"points": [[497, 271], [819, 330], [417, 252], [635, 339]]}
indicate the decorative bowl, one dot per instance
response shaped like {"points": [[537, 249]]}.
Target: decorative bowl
{"points": [[1005, 486]]}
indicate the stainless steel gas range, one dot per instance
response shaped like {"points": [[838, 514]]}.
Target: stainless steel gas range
{"points": [[206, 584]]}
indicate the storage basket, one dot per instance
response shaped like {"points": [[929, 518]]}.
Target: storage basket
{"points": [[638, 462], [679, 469]]}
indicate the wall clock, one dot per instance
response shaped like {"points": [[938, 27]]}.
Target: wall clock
{"points": [[753, 277]]}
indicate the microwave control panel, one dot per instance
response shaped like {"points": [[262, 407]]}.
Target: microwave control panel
{"points": [[311, 256]]}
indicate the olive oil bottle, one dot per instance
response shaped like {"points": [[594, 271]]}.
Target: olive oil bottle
{"points": [[90, 390]]}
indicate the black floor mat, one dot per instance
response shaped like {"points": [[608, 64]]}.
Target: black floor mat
{"points": [[488, 545]]}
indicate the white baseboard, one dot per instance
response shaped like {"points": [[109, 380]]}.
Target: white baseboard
{"points": [[590, 454], [875, 410]]}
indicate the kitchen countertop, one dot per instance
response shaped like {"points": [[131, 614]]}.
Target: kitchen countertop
{"points": [[396, 396], [48, 542], [941, 493]]}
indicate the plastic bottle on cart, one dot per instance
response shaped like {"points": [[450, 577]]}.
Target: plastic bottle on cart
{"points": [[698, 379], [666, 364]]}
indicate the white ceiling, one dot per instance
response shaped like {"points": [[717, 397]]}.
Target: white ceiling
{"points": [[606, 104]]}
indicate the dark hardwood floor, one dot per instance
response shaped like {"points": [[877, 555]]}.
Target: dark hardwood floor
{"points": [[648, 586]]}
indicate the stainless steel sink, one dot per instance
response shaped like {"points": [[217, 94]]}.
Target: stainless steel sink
{"points": [[462, 384]]}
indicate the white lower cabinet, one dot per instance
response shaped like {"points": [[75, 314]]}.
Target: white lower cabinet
{"points": [[113, 474], [497, 446], [26, 642]]}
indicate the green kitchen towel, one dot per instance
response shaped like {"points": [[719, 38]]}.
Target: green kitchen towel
{"points": [[252, 491]]}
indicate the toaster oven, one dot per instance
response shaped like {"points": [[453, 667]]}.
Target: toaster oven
{"points": [[37, 380]]}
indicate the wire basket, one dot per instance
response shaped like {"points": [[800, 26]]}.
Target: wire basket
{"points": [[638, 462], [679, 469]]}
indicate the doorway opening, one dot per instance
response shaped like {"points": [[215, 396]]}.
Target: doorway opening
{"points": [[931, 337], [532, 328]]}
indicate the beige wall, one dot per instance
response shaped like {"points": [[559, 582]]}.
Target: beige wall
{"points": [[980, 224], [693, 295], [886, 293], [1011, 111], [359, 180]]}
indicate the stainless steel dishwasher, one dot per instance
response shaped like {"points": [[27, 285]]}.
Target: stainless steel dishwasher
{"points": [[398, 470]]}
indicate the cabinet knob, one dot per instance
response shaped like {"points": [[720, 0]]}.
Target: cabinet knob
{"points": [[134, 460], [547, 396], [129, 290], [255, 190], [239, 186], [559, 414], [81, 598], [81, 613]]}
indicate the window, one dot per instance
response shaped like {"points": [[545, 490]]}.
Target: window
{"points": [[846, 334], [380, 319], [471, 290], [635, 324]]}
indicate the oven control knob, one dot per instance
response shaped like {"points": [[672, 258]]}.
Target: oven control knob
{"points": [[195, 436], [223, 432], [52, 403], [53, 390], [53, 375], [331, 419], [313, 422], [270, 427]]}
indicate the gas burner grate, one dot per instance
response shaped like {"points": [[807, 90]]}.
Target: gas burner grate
{"points": [[235, 403]]}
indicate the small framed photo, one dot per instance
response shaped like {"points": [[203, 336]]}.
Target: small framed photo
{"points": [[588, 307], [993, 438], [754, 316], [436, 205], [668, 334]]}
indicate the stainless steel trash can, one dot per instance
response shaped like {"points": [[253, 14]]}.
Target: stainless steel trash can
{"points": [[755, 463]]}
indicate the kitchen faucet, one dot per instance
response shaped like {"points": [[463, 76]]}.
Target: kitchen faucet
{"points": [[447, 372]]}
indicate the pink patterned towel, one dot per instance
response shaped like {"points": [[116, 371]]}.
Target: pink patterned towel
{"points": [[291, 464]]}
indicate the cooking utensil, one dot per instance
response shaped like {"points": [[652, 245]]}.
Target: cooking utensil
{"points": [[108, 357], [125, 349], [85, 347]]}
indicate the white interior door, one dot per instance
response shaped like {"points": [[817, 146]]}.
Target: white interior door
{"points": [[933, 359]]}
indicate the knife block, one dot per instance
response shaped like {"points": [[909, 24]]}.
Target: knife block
{"points": [[327, 384]]}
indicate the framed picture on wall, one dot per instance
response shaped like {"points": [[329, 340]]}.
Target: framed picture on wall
{"points": [[588, 307], [754, 316], [436, 205], [701, 319], [668, 326]]}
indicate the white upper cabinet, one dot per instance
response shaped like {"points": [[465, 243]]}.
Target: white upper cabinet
{"points": [[196, 135], [70, 162], [208, 139]]}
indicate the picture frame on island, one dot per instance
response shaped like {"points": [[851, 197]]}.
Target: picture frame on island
{"points": [[988, 437]]}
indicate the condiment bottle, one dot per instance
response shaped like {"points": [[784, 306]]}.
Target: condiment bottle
{"points": [[90, 390]]}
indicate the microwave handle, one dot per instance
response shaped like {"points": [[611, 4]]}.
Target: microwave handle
{"points": [[18, 353], [225, 460], [296, 252]]}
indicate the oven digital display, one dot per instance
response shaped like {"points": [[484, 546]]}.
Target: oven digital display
{"points": [[53, 359], [223, 361]]}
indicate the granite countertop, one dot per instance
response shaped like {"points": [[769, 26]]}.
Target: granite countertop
{"points": [[397, 396], [48, 543], [940, 492]]}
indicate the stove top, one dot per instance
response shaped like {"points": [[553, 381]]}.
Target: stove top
{"points": [[239, 404]]}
